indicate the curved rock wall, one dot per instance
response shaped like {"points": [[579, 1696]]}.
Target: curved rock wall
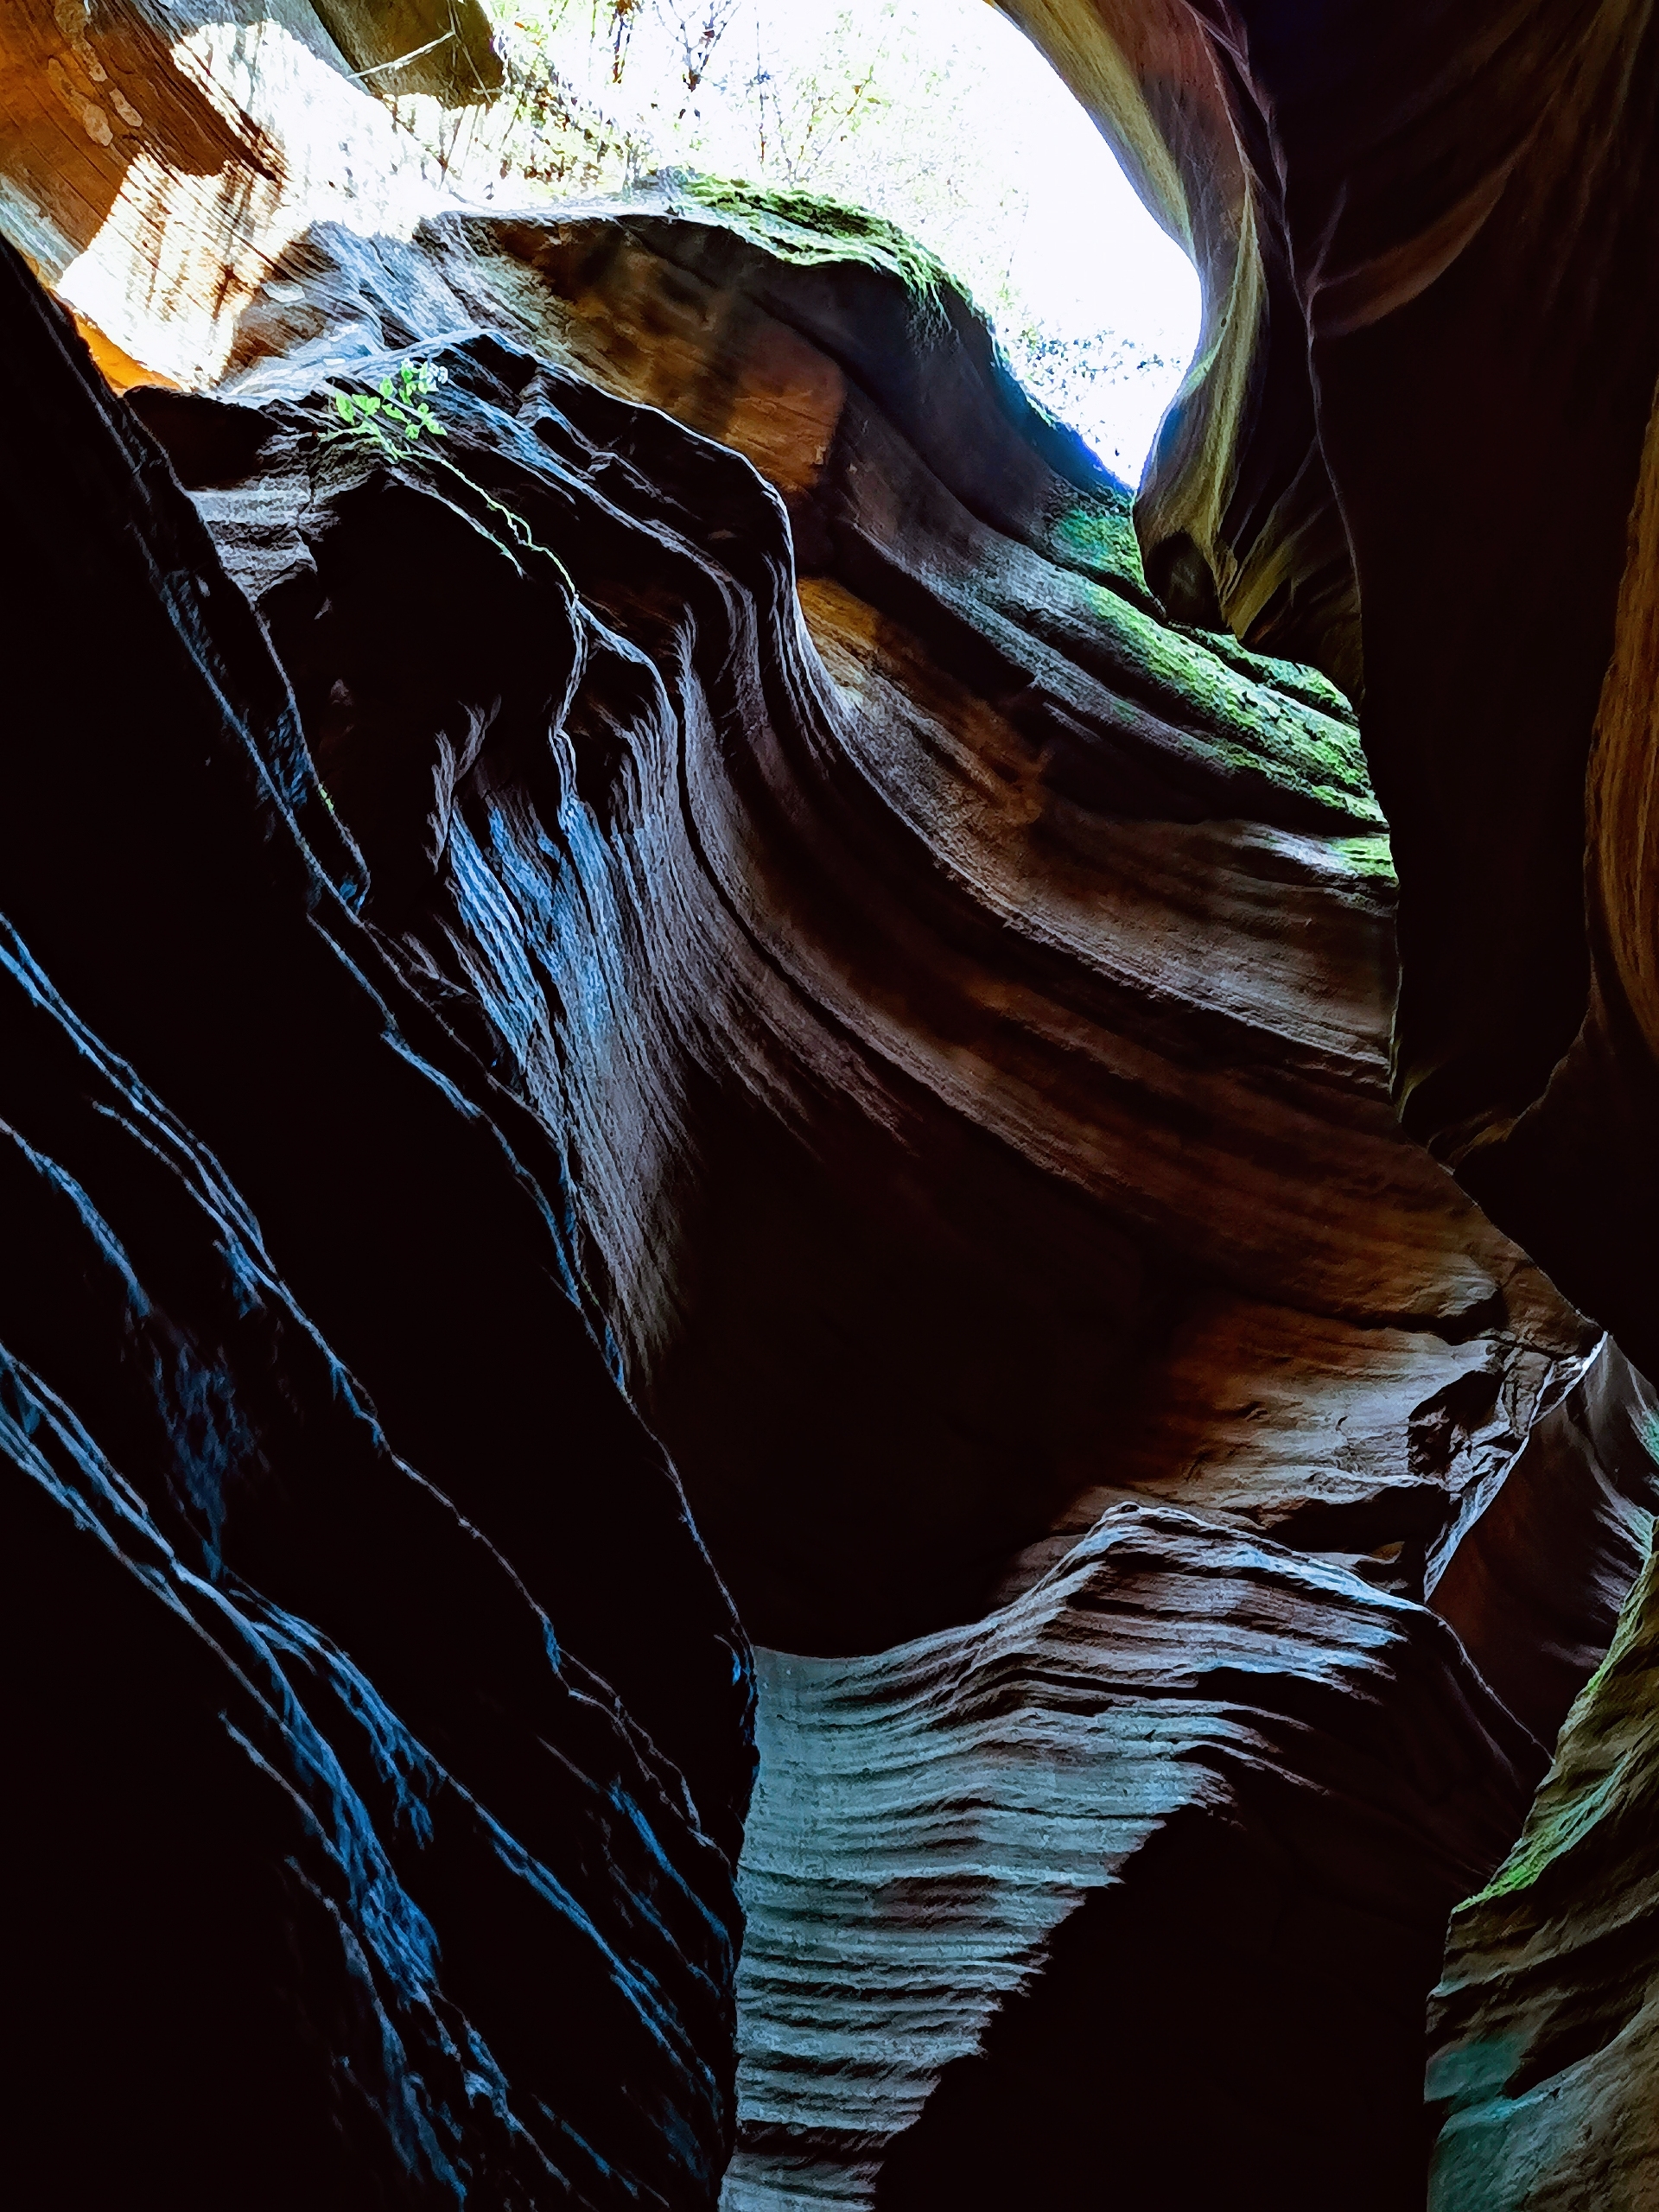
{"points": [[875, 932], [928, 1012], [1237, 514], [1130, 1887], [913, 995], [1546, 2027], [155, 155], [1464, 210], [361, 1860], [1469, 208]]}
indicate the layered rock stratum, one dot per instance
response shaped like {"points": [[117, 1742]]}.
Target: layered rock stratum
{"points": [[715, 978], [308, 1729]]}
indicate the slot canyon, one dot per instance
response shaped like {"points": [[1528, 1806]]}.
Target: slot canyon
{"points": [[829, 1263]]}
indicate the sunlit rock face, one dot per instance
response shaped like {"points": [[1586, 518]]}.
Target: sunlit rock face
{"points": [[155, 155], [1237, 513], [732, 883]]}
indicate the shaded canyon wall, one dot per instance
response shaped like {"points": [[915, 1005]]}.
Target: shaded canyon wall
{"points": [[740, 885]]}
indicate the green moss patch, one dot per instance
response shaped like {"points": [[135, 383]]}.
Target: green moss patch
{"points": [[810, 230], [1250, 721], [1096, 536]]}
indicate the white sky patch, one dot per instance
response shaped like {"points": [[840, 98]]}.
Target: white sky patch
{"points": [[939, 115], [179, 256]]}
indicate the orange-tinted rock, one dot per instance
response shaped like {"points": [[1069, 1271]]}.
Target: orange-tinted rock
{"points": [[989, 1055], [965, 1018], [950, 1034]]}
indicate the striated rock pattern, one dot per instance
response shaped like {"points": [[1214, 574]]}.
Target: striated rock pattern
{"points": [[1546, 2027], [1130, 1888], [350, 1877], [1442, 227], [1534, 1581], [927, 1012], [1434, 236], [363, 1864], [975, 896], [959, 1022]]}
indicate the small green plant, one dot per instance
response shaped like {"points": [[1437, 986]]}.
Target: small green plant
{"points": [[403, 401], [397, 417]]}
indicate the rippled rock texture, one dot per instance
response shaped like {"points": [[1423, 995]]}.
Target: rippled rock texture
{"points": [[733, 884], [1430, 248], [1131, 1887], [362, 1865], [1430, 252], [965, 1014], [963, 1011]]}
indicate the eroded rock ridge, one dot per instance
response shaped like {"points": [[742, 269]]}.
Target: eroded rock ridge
{"points": [[733, 973]]}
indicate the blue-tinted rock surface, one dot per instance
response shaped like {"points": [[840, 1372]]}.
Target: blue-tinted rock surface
{"points": [[1132, 1885], [363, 1865], [940, 1050]]}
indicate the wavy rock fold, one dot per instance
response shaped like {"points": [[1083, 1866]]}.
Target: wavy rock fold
{"points": [[731, 996]]}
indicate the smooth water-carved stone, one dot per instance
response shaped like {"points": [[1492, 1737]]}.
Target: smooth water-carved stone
{"points": [[964, 1017], [1190, 1812], [904, 1061], [933, 1011], [1533, 1584], [350, 1872], [1545, 2029]]}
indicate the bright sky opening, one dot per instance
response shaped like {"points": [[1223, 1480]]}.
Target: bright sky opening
{"points": [[937, 114]]}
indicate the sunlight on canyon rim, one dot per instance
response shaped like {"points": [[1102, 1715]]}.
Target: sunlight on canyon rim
{"points": [[937, 115]]}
